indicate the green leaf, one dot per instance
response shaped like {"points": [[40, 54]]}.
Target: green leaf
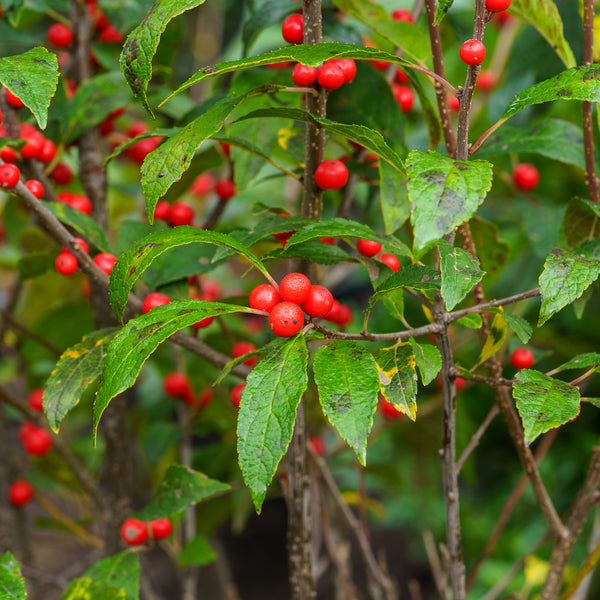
{"points": [[405, 36], [315, 251], [115, 577], [460, 272], [492, 251], [139, 339], [416, 277], [430, 113], [578, 83], [267, 414], [76, 369], [443, 6], [12, 584], [495, 338], [83, 224], [32, 76], [152, 133], [428, 359], [34, 264], [395, 206], [140, 255], [519, 326], [198, 552], [142, 43], [268, 13], [394, 303], [365, 136], [444, 193], [343, 228], [554, 138], [180, 488], [581, 361], [398, 377], [472, 321], [544, 16], [544, 403], [581, 223], [347, 379], [565, 277]]}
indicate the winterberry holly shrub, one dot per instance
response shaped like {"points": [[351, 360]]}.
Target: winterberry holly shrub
{"points": [[433, 333]]}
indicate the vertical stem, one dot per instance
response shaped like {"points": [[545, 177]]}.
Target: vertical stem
{"points": [[587, 107]]}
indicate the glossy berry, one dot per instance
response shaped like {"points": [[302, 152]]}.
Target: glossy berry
{"points": [[402, 15], [111, 34], [236, 394], [292, 29], [391, 261], [348, 67], [34, 142], [153, 300], [263, 297], [162, 210], [225, 189], [161, 528], [400, 76], [35, 399], [330, 75], [35, 440], [81, 243], [20, 492], [66, 263], [303, 75], [331, 174], [105, 261], [134, 532], [388, 410], [61, 174], [201, 401], [177, 385], [242, 348], [286, 319], [522, 358], [208, 320], [486, 81], [327, 240], [48, 151], [345, 315], [497, 5], [460, 383], [60, 35], [472, 52], [368, 247], [35, 187], [453, 103], [295, 287], [404, 96], [181, 214], [8, 155], [9, 175], [13, 100], [526, 177], [319, 302]]}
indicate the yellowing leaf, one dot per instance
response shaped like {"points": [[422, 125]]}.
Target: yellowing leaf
{"points": [[495, 338], [535, 570]]}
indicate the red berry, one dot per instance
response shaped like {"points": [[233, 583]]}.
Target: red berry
{"points": [[36, 440], [202, 402], [388, 410], [330, 75], [327, 240], [319, 302], [162, 210], [203, 184], [391, 261], [348, 67], [134, 532], [35, 399], [331, 174], [208, 320], [137, 152], [472, 52], [153, 300], [368, 247], [61, 174], [225, 189], [20, 492], [177, 385], [181, 214], [81, 203], [486, 81], [497, 5], [34, 142], [402, 15], [105, 261], [460, 383], [263, 297], [453, 103], [404, 96], [9, 175], [345, 315], [66, 263], [317, 443], [401, 76], [35, 187], [236, 394], [48, 151], [292, 29], [286, 319], [13, 100], [522, 358], [60, 35], [111, 35], [161, 528], [502, 17], [8, 155], [242, 348], [303, 75], [81, 243], [295, 287], [526, 177]]}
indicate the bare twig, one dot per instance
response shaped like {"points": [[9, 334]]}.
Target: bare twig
{"points": [[16, 326], [476, 438], [439, 576]]}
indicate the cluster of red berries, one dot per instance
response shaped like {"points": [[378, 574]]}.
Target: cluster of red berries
{"points": [[66, 263], [36, 146], [331, 75], [135, 532], [177, 385], [371, 248]]}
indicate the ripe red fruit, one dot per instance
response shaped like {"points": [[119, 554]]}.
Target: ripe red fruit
{"points": [[8, 155], [453, 103], [137, 152], [295, 287], [236, 394], [13, 100], [303, 75], [81, 203], [327, 240], [35, 187], [472, 52], [391, 261], [348, 67], [402, 15], [368, 247], [48, 151], [20, 492], [486, 81], [134, 532], [34, 142], [61, 174], [81, 243], [404, 96], [153, 300], [202, 402], [35, 399], [60, 35], [292, 29], [460, 383], [330, 75], [208, 320], [66, 263], [181, 214], [176, 385], [110, 34], [242, 348], [203, 184], [497, 5], [318, 445], [286, 319], [345, 315], [388, 410], [9, 175], [36, 440], [526, 177], [263, 297], [401, 76], [331, 174], [105, 261], [161, 528], [162, 210], [225, 189], [522, 358], [319, 301]]}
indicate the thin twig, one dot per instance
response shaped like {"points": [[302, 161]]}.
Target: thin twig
{"points": [[459, 314], [439, 576], [16, 326], [476, 438]]}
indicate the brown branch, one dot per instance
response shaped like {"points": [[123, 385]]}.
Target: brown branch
{"points": [[459, 314], [16, 326], [476, 438], [374, 337], [439, 576]]}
